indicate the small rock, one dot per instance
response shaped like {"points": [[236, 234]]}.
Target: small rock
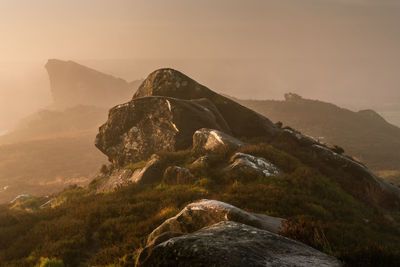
{"points": [[174, 175], [201, 162], [245, 163]]}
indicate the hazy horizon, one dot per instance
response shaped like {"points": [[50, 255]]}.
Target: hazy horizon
{"points": [[345, 52]]}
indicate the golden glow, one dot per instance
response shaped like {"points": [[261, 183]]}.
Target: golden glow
{"points": [[345, 51]]}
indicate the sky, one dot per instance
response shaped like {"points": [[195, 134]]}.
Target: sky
{"points": [[342, 51]]}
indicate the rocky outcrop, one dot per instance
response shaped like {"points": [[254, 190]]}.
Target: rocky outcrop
{"points": [[242, 121], [174, 175], [250, 165], [160, 118], [231, 243], [374, 189], [213, 140], [72, 84], [207, 212], [143, 126]]}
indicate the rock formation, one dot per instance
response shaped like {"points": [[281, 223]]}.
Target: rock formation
{"points": [[214, 233], [242, 121], [143, 126], [169, 107], [208, 212], [233, 244], [74, 84]]}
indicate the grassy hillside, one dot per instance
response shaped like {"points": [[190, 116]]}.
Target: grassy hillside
{"points": [[84, 228], [50, 150], [46, 166]]}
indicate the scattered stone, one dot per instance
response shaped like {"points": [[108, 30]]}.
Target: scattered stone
{"points": [[201, 162], [20, 197], [242, 163], [174, 175]]}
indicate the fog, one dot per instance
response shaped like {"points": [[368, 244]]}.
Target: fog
{"points": [[341, 51]]}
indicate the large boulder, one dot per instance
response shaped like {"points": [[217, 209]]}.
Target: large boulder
{"points": [[152, 172], [230, 243], [74, 84], [213, 140], [208, 212], [242, 121], [143, 126]]}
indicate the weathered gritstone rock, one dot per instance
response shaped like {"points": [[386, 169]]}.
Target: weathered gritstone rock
{"points": [[233, 244], [213, 140], [300, 138], [143, 126], [207, 212], [150, 173], [241, 120], [174, 175], [245, 163]]}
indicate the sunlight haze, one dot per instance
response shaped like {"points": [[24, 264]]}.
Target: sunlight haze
{"points": [[346, 51]]}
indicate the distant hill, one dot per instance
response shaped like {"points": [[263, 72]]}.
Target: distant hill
{"points": [[74, 84], [48, 123], [364, 134]]}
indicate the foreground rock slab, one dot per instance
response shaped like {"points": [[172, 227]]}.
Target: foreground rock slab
{"points": [[233, 244], [207, 212]]}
